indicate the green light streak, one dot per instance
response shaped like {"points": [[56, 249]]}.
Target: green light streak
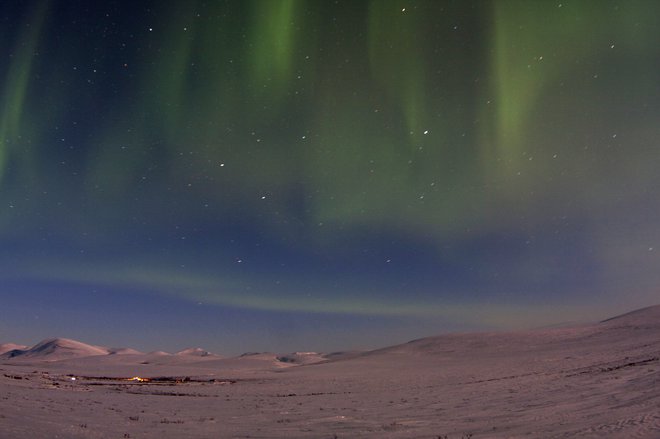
{"points": [[230, 291], [168, 78], [15, 92], [535, 45], [272, 44], [396, 56]]}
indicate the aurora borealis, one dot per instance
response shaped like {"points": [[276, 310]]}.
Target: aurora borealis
{"points": [[294, 174]]}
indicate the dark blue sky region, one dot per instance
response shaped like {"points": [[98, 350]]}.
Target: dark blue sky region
{"points": [[292, 174]]}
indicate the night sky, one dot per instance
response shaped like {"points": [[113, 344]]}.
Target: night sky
{"points": [[316, 175]]}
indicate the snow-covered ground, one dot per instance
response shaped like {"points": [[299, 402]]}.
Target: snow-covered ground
{"points": [[600, 380]]}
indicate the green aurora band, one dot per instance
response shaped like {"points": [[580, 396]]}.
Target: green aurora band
{"points": [[317, 129]]}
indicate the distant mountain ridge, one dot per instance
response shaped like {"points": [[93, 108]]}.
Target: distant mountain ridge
{"points": [[55, 349], [644, 316], [197, 352], [8, 347]]}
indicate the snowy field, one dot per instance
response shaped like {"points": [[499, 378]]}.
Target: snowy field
{"points": [[600, 380]]}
